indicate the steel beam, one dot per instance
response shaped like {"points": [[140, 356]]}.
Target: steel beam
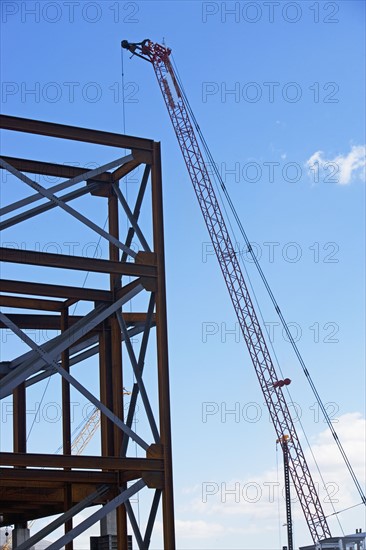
{"points": [[83, 343], [124, 170], [56, 291], [131, 217], [52, 322], [152, 517], [81, 462], [47, 358], [74, 213], [162, 352], [141, 361], [85, 135], [28, 364], [75, 359], [80, 263], [97, 516], [31, 303], [138, 377], [31, 213], [89, 174], [41, 477], [53, 169], [60, 343], [134, 525], [64, 518], [20, 428], [136, 211], [66, 423]]}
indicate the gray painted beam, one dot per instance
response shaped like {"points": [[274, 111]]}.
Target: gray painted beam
{"points": [[131, 217], [83, 219], [152, 517], [63, 518], [45, 207], [97, 516], [63, 341], [48, 360], [139, 380], [136, 210], [134, 525], [90, 174], [141, 361]]}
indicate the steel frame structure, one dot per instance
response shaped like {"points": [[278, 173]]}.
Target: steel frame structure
{"points": [[39, 485]]}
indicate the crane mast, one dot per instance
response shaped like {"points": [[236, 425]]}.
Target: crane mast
{"points": [[159, 56], [286, 471]]}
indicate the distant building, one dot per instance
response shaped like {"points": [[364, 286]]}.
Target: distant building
{"points": [[108, 542], [349, 542]]}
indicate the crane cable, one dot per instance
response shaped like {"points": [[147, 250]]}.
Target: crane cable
{"points": [[268, 288], [345, 509], [127, 224]]}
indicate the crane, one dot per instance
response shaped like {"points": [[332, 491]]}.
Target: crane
{"points": [[180, 115]]}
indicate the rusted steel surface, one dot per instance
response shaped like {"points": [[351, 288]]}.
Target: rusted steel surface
{"points": [[36, 485]]}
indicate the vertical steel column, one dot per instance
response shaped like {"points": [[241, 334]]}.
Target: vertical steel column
{"points": [[20, 428], [162, 351], [19, 419], [116, 340], [106, 391], [116, 361], [66, 424]]}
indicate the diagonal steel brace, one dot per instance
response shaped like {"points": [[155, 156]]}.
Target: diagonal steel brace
{"points": [[49, 361], [83, 219], [89, 174]]}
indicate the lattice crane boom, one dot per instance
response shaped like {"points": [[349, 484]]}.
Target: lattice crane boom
{"points": [[85, 435], [159, 57]]}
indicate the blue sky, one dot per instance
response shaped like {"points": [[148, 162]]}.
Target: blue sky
{"points": [[278, 89]]}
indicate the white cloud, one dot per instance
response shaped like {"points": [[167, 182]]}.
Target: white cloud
{"points": [[240, 511], [341, 169], [190, 490], [351, 430]]}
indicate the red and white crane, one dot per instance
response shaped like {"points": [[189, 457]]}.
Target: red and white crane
{"points": [[181, 117]]}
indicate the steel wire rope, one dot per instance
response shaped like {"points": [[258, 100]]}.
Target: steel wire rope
{"points": [[127, 227], [345, 509]]}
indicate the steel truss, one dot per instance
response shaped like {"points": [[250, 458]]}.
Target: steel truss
{"points": [[39, 485]]}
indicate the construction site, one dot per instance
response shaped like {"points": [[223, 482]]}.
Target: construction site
{"points": [[112, 434]]}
